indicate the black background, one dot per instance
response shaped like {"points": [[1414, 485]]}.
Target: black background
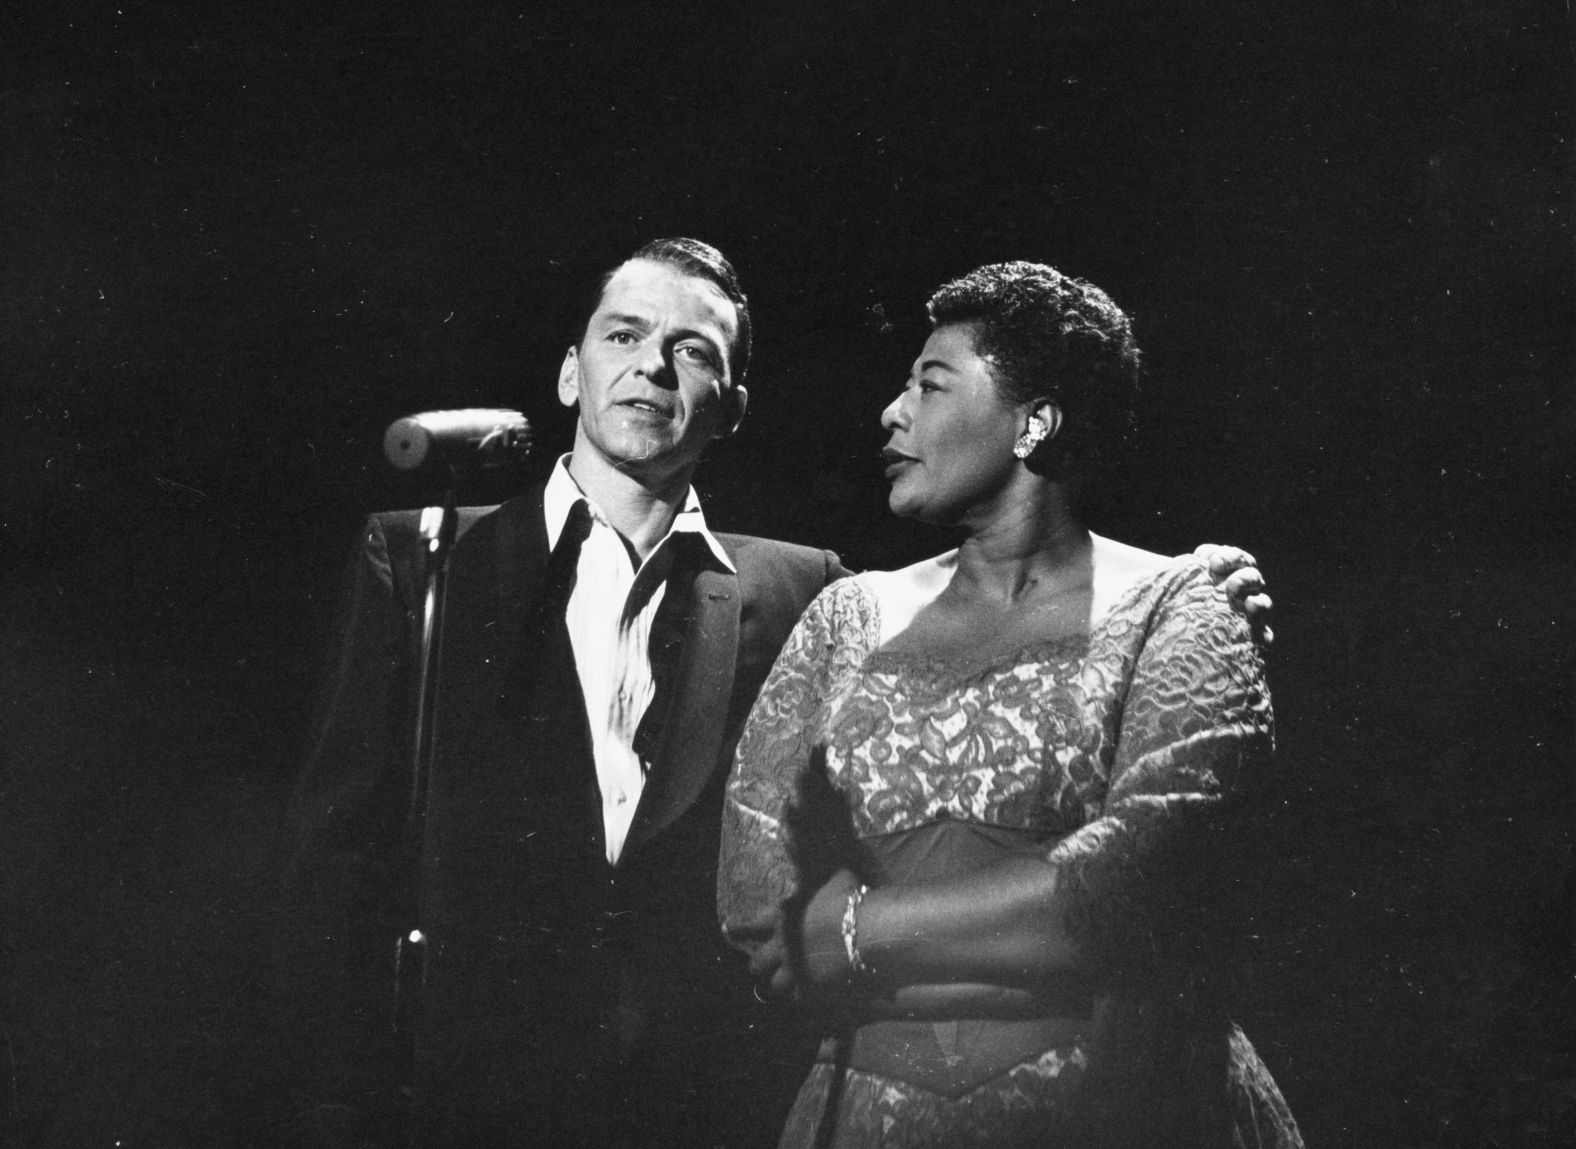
{"points": [[237, 239]]}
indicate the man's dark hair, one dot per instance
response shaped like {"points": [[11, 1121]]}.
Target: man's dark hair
{"points": [[702, 261], [1048, 335]]}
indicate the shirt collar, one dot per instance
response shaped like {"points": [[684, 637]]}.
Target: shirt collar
{"points": [[563, 493]]}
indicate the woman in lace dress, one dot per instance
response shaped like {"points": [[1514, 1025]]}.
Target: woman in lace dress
{"points": [[971, 819]]}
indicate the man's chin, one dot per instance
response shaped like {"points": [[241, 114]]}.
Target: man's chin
{"points": [[653, 461]]}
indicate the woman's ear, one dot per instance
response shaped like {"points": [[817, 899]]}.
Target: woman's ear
{"points": [[1043, 420], [1049, 416]]}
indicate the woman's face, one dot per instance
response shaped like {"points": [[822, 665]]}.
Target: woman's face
{"points": [[950, 433]]}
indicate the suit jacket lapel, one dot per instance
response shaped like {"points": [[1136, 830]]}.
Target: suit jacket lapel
{"points": [[520, 556], [490, 663], [691, 737], [494, 582]]}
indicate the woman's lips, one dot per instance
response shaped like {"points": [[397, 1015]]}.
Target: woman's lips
{"points": [[896, 462]]}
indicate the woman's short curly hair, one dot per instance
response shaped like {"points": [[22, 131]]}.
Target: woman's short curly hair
{"points": [[1049, 335]]}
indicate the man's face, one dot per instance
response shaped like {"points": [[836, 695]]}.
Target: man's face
{"points": [[651, 373]]}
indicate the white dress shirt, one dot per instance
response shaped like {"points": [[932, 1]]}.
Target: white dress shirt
{"points": [[610, 614]]}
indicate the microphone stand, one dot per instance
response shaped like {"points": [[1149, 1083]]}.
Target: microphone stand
{"points": [[462, 440], [437, 532]]}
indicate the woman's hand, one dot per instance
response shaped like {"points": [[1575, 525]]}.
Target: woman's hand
{"points": [[765, 943], [790, 958], [1236, 573]]}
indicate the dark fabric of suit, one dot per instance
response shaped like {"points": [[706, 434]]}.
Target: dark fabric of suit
{"points": [[566, 1001]]}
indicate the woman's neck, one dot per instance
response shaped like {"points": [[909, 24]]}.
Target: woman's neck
{"points": [[1037, 545]]}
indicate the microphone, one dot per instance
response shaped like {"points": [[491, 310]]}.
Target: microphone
{"points": [[484, 435]]}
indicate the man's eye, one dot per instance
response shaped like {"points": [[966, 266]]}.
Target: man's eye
{"points": [[622, 338], [697, 354]]}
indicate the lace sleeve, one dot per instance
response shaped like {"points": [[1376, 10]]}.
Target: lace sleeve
{"points": [[1195, 727], [781, 826]]}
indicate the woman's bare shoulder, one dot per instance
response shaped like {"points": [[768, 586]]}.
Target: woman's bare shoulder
{"points": [[903, 593], [927, 575], [1117, 568], [1122, 560]]}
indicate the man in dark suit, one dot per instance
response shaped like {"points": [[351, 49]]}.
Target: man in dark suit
{"points": [[576, 990], [601, 651]]}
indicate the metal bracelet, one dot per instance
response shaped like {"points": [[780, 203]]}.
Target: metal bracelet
{"points": [[856, 964]]}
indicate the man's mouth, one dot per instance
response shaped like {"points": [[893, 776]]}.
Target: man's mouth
{"points": [[657, 409]]}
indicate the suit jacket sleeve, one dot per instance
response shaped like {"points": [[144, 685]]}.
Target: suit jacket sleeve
{"points": [[333, 948]]}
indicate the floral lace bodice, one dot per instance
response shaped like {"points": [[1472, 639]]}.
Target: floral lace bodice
{"points": [[1109, 752], [1098, 741]]}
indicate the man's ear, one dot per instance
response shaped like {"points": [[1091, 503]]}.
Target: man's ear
{"points": [[1049, 414], [735, 401], [569, 379]]}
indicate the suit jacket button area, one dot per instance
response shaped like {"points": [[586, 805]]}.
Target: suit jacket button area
{"points": [[513, 718]]}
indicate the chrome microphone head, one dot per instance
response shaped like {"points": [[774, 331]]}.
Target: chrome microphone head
{"points": [[486, 436]]}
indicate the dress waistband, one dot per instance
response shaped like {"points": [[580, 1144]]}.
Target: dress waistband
{"points": [[954, 1057]]}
